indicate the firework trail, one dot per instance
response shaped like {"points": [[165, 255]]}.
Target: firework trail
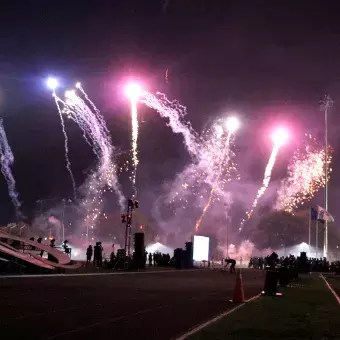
{"points": [[105, 175], [266, 178], [67, 159], [133, 91], [224, 155], [279, 139], [205, 209], [135, 161], [95, 109], [306, 175], [7, 160], [175, 112]]}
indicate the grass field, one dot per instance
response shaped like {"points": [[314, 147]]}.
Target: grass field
{"points": [[307, 310], [334, 281]]}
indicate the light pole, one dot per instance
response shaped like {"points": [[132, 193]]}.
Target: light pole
{"points": [[228, 222], [87, 233], [327, 103], [63, 230], [309, 227]]}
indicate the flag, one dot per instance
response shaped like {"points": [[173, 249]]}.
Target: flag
{"points": [[313, 214], [324, 215]]}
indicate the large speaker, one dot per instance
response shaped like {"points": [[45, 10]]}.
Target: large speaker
{"points": [[139, 243], [119, 264], [139, 254], [189, 248], [188, 255], [303, 263], [178, 258], [270, 283]]}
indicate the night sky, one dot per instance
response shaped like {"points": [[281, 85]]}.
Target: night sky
{"points": [[270, 61]]}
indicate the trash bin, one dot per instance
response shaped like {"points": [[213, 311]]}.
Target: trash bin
{"points": [[270, 283], [284, 276]]}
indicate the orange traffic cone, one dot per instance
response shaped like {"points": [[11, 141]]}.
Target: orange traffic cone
{"points": [[238, 290]]}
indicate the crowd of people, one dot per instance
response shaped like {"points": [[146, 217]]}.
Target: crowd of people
{"points": [[321, 265], [96, 255], [159, 259], [313, 264]]}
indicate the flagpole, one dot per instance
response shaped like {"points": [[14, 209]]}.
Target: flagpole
{"points": [[326, 182], [309, 227], [327, 104], [316, 238]]}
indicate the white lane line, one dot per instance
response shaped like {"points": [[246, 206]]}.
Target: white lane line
{"points": [[95, 274], [115, 319], [218, 317], [331, 289], [106, 321]]}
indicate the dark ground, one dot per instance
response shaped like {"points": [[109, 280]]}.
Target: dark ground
{"points": [[334, 281], [133, 306]]}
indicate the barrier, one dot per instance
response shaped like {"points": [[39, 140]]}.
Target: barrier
{"points": [[61, 257], [25, 257]]}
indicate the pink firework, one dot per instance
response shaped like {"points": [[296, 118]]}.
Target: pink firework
{"points": [[306, 175], [279, 137]]}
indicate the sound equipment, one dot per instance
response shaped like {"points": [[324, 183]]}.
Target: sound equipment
{"points": [[303, 263], [139, 253], [178, 258], [188, 255]]}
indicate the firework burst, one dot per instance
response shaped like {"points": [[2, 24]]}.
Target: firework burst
{"points": [[306, 175], [206, 179]]}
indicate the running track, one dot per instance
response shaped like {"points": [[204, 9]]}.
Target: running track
{"points": [[132, 306]]}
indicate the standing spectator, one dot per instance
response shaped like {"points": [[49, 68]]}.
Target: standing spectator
{"points": [[49, 256], [98, 254], [52, 243], [39, 240], [150, 260], [89, 252]]}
